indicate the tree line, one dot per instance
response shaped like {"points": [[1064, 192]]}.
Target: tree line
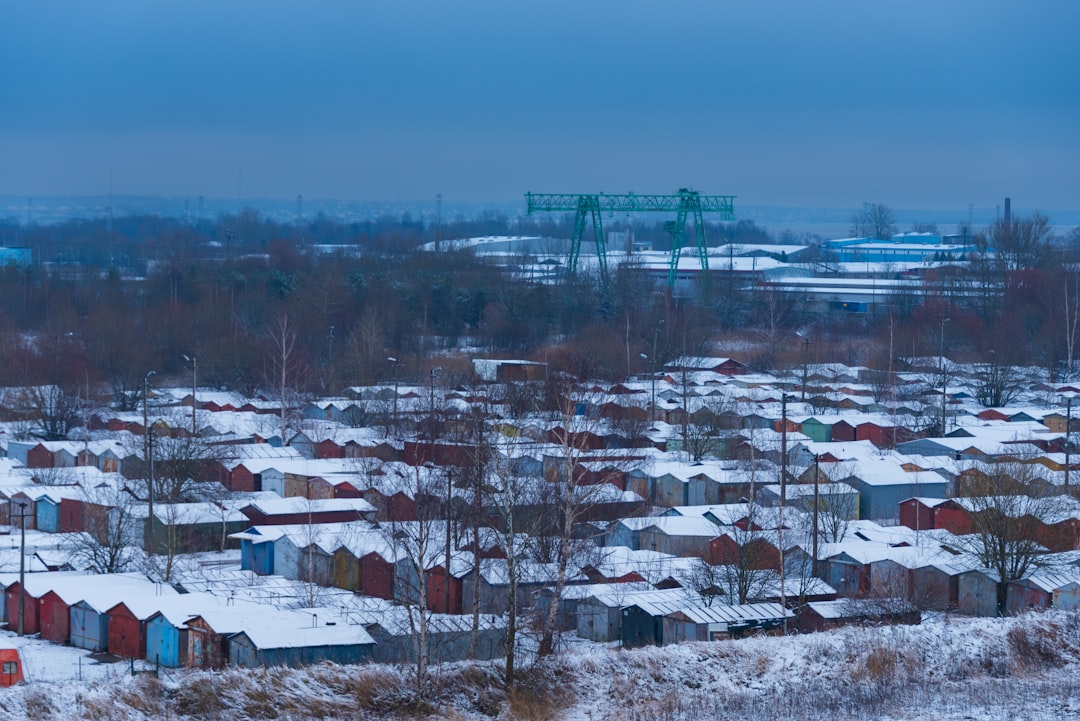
{"points": [[99, 307]]}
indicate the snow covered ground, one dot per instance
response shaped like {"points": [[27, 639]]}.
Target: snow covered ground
{"points": [[49, 663], [951, 669]]}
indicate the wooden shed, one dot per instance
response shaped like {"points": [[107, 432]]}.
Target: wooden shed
{"points": [[643, 621], [297, 510], [89, 624], [257, 548], [54, 618], [978, 592], [449, 638], [208, 634], [296, 639], [1042, 591], [823, 615], [127, 625], [167, 630]]}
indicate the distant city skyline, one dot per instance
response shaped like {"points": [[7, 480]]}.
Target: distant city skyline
{"points": [[820, 221], [920, 105]]}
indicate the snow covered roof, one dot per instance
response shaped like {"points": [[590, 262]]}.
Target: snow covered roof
{"points": [[298, 504], [623, 595], [698, 526], [653, 566], [857, 607], [735, 615], [196, 513], [297, 629]]}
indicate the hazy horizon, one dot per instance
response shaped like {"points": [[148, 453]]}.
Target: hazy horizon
{"points": [[920, 105]]}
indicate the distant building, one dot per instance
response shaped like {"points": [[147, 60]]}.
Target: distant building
{"points": [[15, 256], [493, 371], [903, 248]]}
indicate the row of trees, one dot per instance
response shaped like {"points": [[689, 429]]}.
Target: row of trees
{"points": [[207, 293]]}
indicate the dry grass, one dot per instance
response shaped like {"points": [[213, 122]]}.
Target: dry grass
{"points": [[856, 674], [1037, 645], [38, 704], [540, 694], [145, 695], [199, 700]]}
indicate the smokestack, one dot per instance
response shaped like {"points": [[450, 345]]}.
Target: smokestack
{"points": [[1008, 215]]}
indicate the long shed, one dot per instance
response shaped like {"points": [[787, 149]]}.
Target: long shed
{"points": [[717, 622], [299, 643]]}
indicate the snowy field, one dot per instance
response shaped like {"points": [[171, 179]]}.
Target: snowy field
{"points": [[951, 669]]}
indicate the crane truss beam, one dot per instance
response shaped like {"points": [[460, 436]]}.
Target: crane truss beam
{"points": [[591, 208]]}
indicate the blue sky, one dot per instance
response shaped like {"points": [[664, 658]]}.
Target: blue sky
{"points": [[915, 104]]}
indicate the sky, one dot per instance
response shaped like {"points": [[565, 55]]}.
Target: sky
{"points": [[916, 104]]}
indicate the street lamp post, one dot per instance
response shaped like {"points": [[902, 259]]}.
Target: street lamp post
{"points": [[449, 515], [431, 412], [805, 368], [944, 374], [1068, 436], [22, 562], [148, 452], [397, 365], [194, 361], [784, 397], [652, 377], [1068, 440]]}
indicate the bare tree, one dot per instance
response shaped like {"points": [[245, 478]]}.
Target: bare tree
{"points": [[832, 504], [709, 581], [569, 497], [997, 384], [174, 520], [717, 422], [418, 548], [1071, 320], [836, 508], [56, 476], [777, 313], [183, 464], [54, 411], [1008, 503], [875, 220], [942, 377], [285, 370], [748, 564], [1019, 242], [506, 492], [113, 531]]}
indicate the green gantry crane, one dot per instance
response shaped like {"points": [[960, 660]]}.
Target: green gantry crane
{"points": [[684, 203]]}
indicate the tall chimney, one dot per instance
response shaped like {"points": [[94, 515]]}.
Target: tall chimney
{"points": [[1008, 215]]}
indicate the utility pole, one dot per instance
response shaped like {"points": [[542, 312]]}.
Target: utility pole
{"points": [[817, 509], [22, 562]]}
